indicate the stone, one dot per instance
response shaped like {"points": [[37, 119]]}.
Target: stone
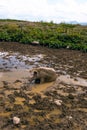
{"points": [[58, 102], [35, 43], [16, 120]]}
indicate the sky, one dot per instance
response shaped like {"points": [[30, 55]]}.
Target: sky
{"points": [[44, 10]]}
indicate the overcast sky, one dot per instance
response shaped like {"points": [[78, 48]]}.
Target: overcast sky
{"points": [[44, 10]]}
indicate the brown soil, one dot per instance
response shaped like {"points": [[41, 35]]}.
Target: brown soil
{"points": [[60, 105]]}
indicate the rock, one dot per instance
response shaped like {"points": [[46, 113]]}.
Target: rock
{"points": [[69, 117], [16, 120], [5, 82], [58, 102], [68, 47], [70, 96], [35, 43], [18, 81]]}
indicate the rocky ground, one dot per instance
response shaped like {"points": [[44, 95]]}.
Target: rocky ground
{"points": [[60, 105]]}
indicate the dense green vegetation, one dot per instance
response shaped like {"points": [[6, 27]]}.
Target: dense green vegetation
{"points": [[47, 34]]}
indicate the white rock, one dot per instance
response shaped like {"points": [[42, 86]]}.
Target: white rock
{"points": [[69, 117], [58, 102], [16, 120], [68, 47], [35, 42]]}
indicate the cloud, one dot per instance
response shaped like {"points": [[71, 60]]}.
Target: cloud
{"points": [[46, 10]]}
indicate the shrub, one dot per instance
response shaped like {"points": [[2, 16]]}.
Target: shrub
{"points": [[69, 38], [4, 36], [26, 40]]}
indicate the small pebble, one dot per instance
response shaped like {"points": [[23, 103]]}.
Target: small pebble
{"points": [[16, 120], [58, 102]]}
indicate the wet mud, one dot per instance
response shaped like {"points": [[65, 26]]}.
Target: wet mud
{"points": [[59, 105]]}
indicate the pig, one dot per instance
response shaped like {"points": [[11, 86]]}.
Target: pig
{"points": [[43, 75]]}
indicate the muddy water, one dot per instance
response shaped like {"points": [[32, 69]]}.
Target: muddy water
{"points": [[23, 75], [13, 75], [40, 88], [18, 70], [9, 60], [54, 106], [77, 81], [17, 77]]}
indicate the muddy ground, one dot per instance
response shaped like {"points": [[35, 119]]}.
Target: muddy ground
{"points": [[59, 105]]}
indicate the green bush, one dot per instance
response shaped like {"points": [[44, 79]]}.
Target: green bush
{"points": [[16, 36], [26, 40], [69, 38], [4, 36]]}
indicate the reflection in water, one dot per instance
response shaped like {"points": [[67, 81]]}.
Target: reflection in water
{"points": [[39, 88], [15, 60]]}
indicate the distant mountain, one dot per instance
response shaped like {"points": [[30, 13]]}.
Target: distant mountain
{"points": [[85, 23], [75, 22]]}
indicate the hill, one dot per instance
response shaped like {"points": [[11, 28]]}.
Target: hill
{"points": [[70, 36]]}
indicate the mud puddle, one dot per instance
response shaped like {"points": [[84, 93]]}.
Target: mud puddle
{"points": [[73, 81], [23, 75], [13, 76], [59, 105], [9, 60]]}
